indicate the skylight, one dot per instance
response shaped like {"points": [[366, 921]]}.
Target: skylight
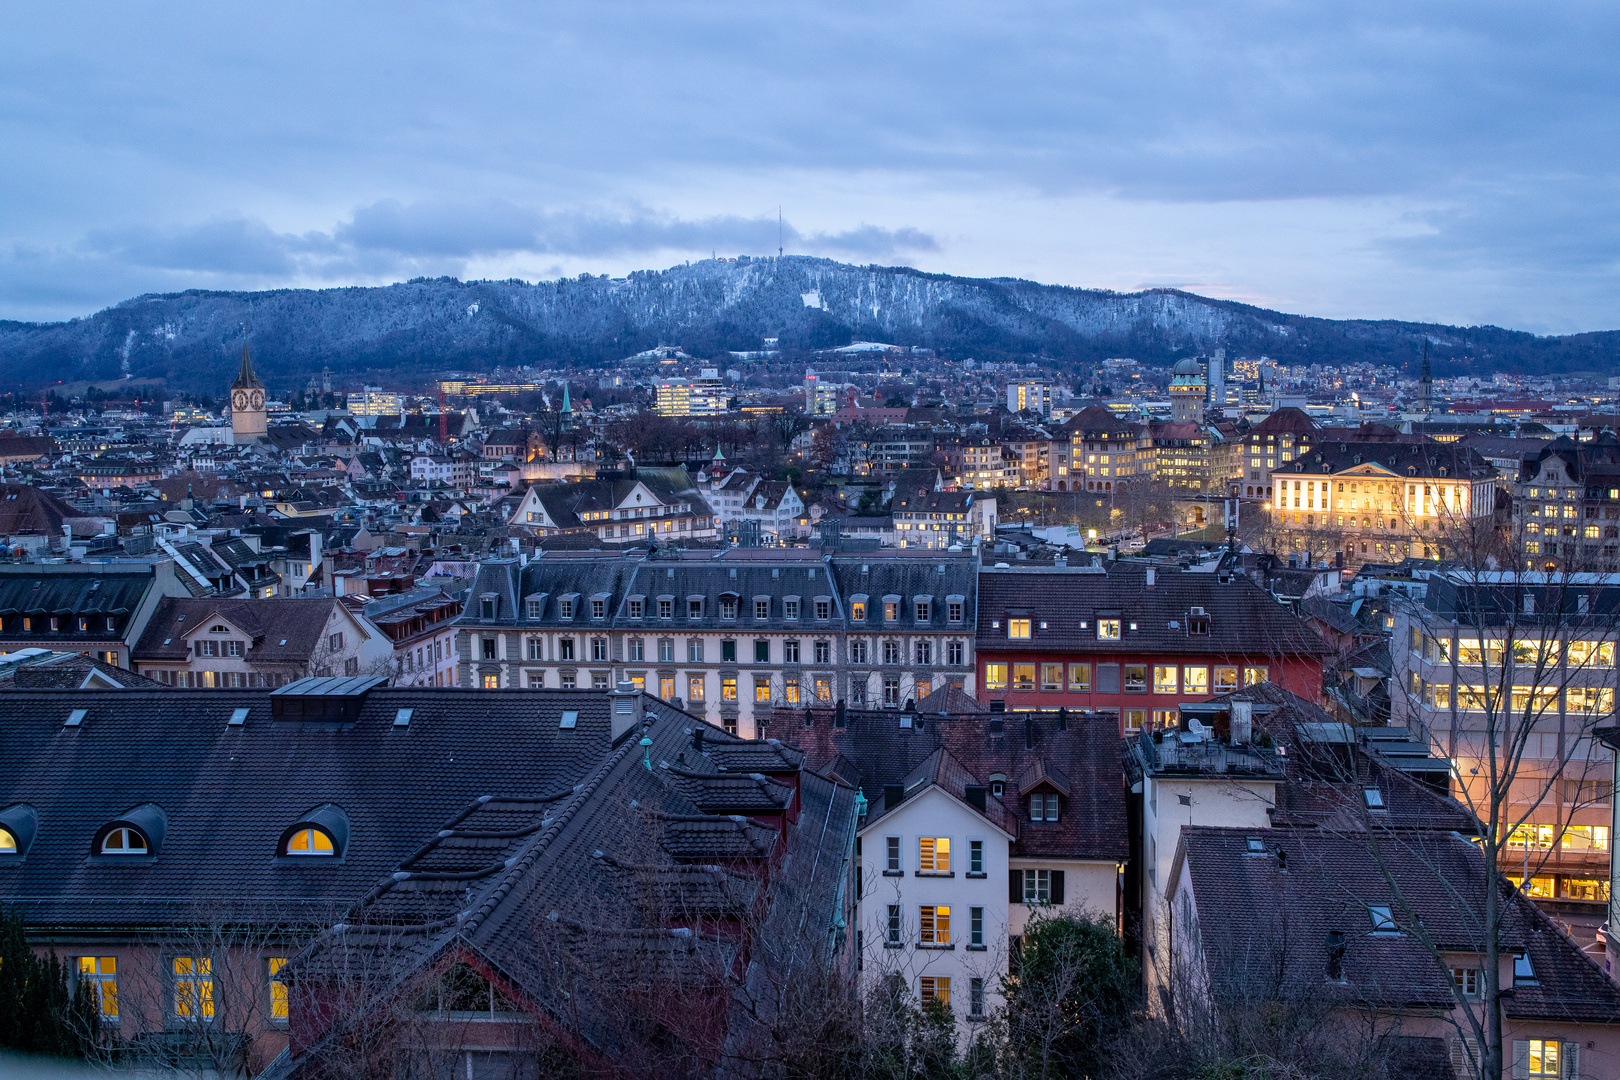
{"points": [[402, 718], [75, 718], [570, 718], [1374, 797], [1256, 845], [238, 717], [1383, 920]]}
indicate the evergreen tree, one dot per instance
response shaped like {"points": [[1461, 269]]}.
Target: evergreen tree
{"points": [[38, 1014]]}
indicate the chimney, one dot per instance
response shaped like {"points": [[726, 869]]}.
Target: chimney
{"points": [[975, 797], [697, 738], [626, 709], [1242, 723], [1151, 575]]}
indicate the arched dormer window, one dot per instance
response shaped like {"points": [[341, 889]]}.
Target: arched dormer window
{"points": [[8, 842], [311, 842], [124, 840], [138, 832], [18, 823], [323, 833]]}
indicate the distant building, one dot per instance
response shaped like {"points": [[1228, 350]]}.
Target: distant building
{"points": [[372, 401], [691, 397], [1033, 396], [249, 418]]}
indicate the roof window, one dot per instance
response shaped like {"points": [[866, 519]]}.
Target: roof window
{"points": [[310, 843], [402, 718], [1374, 797], [323, 833], [75, 718], [1524, 972], [238, 718], [1383, 919], [123, 840], [570, 719], [1255, 845]]}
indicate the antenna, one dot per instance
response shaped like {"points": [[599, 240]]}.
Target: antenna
{"points": [[778, 230]]}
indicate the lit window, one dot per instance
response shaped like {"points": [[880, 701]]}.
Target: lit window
{"points": [[123, 841], [934, 990], [193, 988], [995, 676], [934, 855], [1023, 676], [1253, 676], [1018, 628], [694, 688], [100, 973], [1166, 679], [278, 989], [1226, 680], [492, 682], [1542, 1058], [310, 842], [934, 924], [1107, 629], [8, 842], [857, 610]]}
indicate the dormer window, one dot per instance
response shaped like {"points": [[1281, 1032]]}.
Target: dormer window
{"points": [[728, 607], [1108, 629], [8, 842], [790, 608], [762, 607], [309, 843], [694, 607], [1018, 628], [533, 609], [598, 609], [857, 610], [923, 609], [636, 607], [1043, 807], [565, 609], [123, 841]]}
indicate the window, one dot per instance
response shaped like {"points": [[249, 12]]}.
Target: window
{"points": [[635, 608], [1108, 629], [976, 993], [1226, 680], [891, 610], [762, 609], [694, 688], [790, 652], [1195, 680], [934, 925], [638, 650], [1524, 972], [309, 842], [790, 691], [1383, 921], [1023, 676], [1373, 797], [823, 652], [1254, 676], [857, 610], [892, 925], [694, 607], [278, 989], [995, 676], [976, 926], [1037, 886], [923, 653], [100, 973], [728, 652], [666, 607], [954, 654], [1080, 677], [728, 607], [922, 611], [1135, 719], [790, 609], [233, 648], [1467, 981], [1051, 676], [694, 651], [1539, 1058], [762, 690], [206, 648], [857, 652], [975, 856], [565, 649], [953, 611], [891, 692], [1017, 628], [1135, 678], [934, 855], [823, 609], [535, 648], [891, 652], [1166, 679], [666, 650], [599, 649], [123, 841], [493, 682], [666, 687], [934, 990], [728, 688], [891, 846], [1043, 807], [335, 641], [193, 983]]}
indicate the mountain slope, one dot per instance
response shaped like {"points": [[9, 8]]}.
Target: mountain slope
{"points": [[425, 325]]}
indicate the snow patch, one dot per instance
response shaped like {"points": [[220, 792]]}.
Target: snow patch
{"points": [[472, 309], [865, 346], [811, 298]]}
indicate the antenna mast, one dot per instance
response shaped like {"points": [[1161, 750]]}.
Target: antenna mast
{"points": [[779, 230]]}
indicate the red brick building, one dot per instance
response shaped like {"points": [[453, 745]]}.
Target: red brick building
{"points": [[1135, 638]]}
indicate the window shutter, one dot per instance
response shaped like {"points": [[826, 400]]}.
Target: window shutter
{"points": [[1572, 1061], [1465, 1057], [1057, 887], [1521, 1060], [1015, 888]]}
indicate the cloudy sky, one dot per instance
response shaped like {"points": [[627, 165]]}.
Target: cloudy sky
{"points": [[1458, 162]]}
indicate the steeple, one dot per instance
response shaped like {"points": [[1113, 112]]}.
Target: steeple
{"points": [[1426, 381], [245, 379], [566, 407]]}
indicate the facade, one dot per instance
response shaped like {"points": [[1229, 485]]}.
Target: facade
{"points": [[1377, 501], [245, 644], [691, 397], [1566, 505], [97, 609], [420, 624], [1034, 396], [727, 634], [1106, 451], [1134, 640], [632, 507], [740, 495], [1272, 443], [940, 519], [1563, 675]]}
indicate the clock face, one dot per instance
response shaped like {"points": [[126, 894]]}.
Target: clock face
{"points": [[239, 400], [256, 399]]}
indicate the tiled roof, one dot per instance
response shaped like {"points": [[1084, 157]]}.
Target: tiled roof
{"points": [[283, 630]]}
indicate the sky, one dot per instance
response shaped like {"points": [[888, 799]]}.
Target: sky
{"points": [[1448, 162]]}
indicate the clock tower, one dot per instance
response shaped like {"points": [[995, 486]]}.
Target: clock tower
{"points": [[248, 417]]}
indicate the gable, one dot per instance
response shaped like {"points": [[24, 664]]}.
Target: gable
{"points": [[639, 495]]}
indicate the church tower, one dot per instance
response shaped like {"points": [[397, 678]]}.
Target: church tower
{"points": [[248, 417], [1426, 384]]}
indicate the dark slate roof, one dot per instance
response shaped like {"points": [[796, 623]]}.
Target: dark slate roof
{"points": [[98, 589], [229, 792], [283, 630], [1459, 462], [910, 575], [39, 669], [874, 751], [1327, 883], [1243, 618]]}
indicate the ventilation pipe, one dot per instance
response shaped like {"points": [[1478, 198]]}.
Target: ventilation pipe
{"points": [[626, 709]]}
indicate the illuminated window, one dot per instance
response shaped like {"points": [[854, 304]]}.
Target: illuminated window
{"points": [[694, 688], [1017, 628], [1195, 680], [934, 924], [1108, 629], [193, 985], [310, 842], [1023, 676], [278, 989], [934, 854], [1166, 679], [100, 973], [1253, 676], [1542, 1057], [1051, 676], [995, 676], [492, 682], [934, 990]]}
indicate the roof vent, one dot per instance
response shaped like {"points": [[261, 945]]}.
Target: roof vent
{"points": [[322, 700], [626, 709]]}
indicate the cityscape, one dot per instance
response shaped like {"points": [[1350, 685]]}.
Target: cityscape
{"points": [[426, 655]]}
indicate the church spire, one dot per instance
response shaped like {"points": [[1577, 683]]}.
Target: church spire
{"points": [[566, 407], [245, 379]]}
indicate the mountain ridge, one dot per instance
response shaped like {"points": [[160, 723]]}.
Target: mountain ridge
{"points": [[416, 327]]}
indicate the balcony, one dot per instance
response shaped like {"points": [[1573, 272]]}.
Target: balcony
{"points": [[1182, 752]]}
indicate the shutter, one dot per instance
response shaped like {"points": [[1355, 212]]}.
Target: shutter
{"points": [[1015, 887], [1465, 1057], [1057, 887], [1572, 1061], [1521, 1060]]}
